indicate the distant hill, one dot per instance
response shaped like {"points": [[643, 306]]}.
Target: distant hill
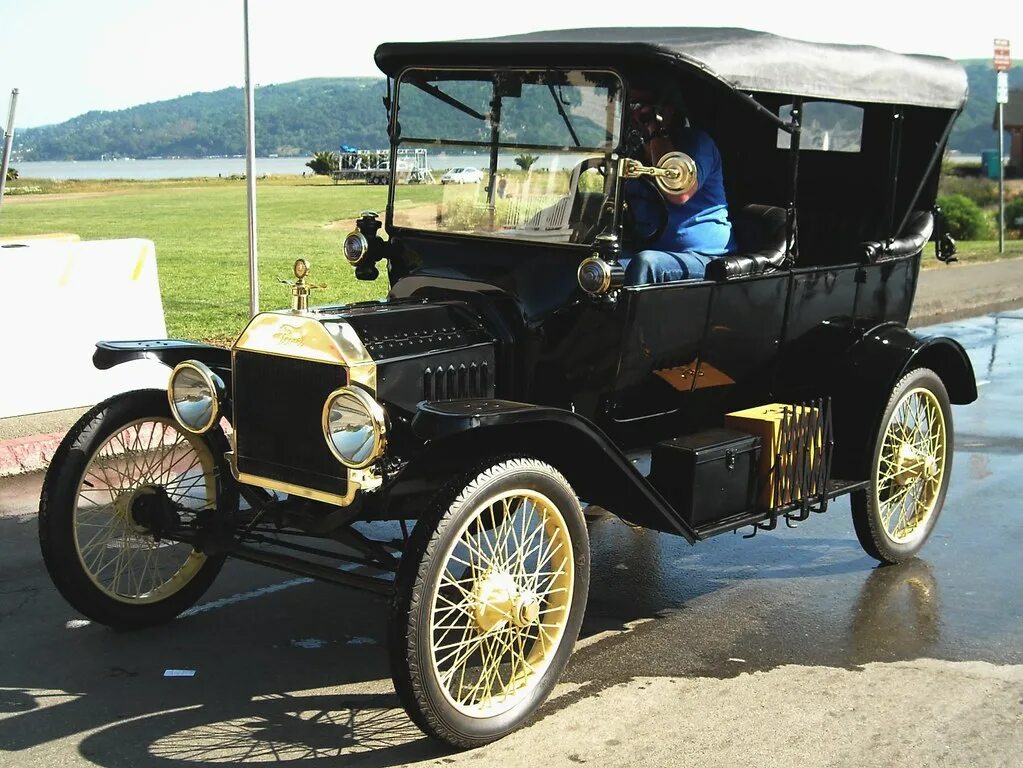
{"points": [[304, 116], [973, 130], [295, 118]]}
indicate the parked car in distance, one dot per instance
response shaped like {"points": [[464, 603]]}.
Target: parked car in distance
{"points": [[462, 176]]}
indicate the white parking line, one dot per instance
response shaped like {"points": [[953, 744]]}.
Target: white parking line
{"points": [[241, 597]]}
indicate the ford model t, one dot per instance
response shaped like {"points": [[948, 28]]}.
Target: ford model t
{"points": [[511, 375]]}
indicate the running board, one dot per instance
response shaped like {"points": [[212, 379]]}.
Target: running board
{"points": [[759, 515]]}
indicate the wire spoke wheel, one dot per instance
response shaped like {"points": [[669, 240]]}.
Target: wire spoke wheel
{"points": [[500, 606], [909, 470], [123, 481], [116, 548], [489, 600], [911, 464]]}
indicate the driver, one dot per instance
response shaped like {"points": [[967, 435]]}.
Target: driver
{"points": [[697, 228]]}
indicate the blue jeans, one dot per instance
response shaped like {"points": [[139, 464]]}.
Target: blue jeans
{"points": [[664, 266]]}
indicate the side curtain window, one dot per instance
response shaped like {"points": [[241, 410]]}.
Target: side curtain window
{"points": [[828, 126]]}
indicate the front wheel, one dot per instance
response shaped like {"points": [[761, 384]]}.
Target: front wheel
{"points": [[490, 597], [910, 469], [124, 474]]}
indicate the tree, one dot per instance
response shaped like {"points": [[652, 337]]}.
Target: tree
{"points": [[525, 161], [12, 174], [324, 163]]}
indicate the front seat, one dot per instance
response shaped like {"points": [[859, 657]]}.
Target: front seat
{"points": [[761, 232]]}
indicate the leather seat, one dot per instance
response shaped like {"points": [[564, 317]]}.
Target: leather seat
{"points": [[911, 240], [761, 232]]}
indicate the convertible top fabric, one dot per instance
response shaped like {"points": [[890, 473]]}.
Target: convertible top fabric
{"points": [[743, 59]]}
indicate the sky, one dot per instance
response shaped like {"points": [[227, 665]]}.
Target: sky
{"points": [[67, 57]]}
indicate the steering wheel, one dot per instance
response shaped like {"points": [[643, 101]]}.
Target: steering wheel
{"points": [[583, 233], [644, 215]]}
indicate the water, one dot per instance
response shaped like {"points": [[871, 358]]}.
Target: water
{"points": [[188, 168], [178, 168]]}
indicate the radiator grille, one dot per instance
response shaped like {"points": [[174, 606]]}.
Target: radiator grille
{"points": [[278, 407]]}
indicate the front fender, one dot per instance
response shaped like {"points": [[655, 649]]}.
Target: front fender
{"points": [[170, 352], [458, 433]]}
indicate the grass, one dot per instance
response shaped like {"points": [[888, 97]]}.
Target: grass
{"points": [[975, 252], [200, 230]]}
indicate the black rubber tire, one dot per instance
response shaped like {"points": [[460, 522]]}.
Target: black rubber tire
{"points": [[59, 498], [866, 517], [411, 667]]}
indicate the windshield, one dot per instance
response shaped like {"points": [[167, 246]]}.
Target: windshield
{"points": [[520, 153]]}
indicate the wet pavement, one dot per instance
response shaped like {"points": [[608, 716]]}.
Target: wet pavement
{"points": [[294, 672]]}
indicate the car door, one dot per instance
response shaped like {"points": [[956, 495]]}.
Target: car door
{"points": [[663, 329]]}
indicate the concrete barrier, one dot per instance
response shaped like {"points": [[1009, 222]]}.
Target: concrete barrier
{"points": [[57, 299]]}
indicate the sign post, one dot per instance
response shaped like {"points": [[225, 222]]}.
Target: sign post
{"points": [[250, 174], [8, 142], [1002, 63]]}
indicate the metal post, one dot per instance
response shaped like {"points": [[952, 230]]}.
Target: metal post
{"points": [[8, 142], [250, 173], [1001, 179]]}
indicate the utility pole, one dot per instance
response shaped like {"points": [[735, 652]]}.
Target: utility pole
{"points": [[1003, 63], [8, 143], [250, 173]]}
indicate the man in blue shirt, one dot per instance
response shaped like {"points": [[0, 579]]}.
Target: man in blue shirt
{"points": [[697, 227]]}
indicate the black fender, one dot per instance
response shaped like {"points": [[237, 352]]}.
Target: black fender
{"points": [[864, 378], [170, 352], [460, 432]]}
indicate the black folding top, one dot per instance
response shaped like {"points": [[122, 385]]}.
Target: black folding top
{"points": [[743, 59]]}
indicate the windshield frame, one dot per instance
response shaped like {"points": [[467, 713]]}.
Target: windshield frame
{"points": [[613, 152]]}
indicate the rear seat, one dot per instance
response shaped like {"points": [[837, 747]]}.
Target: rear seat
{"points": [[911, 239]]}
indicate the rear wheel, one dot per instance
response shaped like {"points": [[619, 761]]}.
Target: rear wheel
{"points": [[910, 469], [124, 473], [490, 598]]}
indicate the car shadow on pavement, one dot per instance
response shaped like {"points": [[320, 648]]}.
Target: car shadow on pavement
{"points": [[325, 647]]}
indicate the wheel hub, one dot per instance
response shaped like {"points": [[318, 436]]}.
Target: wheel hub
{"points": [[912, 465], [149, 511], [499, 600]]}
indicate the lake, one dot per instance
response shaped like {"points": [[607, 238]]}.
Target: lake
{"points": [[189, 168]]}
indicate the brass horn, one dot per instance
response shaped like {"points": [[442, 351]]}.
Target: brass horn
{"points": [[675, 172]]}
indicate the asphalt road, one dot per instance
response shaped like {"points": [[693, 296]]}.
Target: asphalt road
{"points": [[788, 648]]}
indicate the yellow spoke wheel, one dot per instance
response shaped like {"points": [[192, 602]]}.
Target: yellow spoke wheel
{"points": [[490, 599], [909, 470], [105, 498], [145, 457]]}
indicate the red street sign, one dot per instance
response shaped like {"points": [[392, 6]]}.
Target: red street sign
{"points": [[1003, 62]]}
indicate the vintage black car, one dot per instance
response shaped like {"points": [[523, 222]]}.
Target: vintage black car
{"points": [[509, 378]]}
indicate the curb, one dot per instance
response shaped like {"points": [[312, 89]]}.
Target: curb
{"points": [[943, 295], [28, 454]]}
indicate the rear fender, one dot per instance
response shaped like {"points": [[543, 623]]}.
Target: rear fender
{"points": [[460, 432], [864, 380]]}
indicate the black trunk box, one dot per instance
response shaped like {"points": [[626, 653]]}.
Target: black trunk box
{"points": [[707, 476]]}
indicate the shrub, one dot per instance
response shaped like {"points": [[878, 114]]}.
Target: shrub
{"points": [[1014, 214], [966, 221], [983, 192], [12, 174], [324, 163]]}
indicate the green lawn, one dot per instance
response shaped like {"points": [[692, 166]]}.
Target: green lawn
{"points": [[973, 251], [199, 227], [200, 232]]}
